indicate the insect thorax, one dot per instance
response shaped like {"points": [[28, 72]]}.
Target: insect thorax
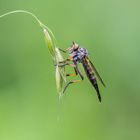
{"points": [[79, 54]]}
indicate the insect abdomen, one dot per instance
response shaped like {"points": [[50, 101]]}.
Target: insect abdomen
{"points": [[90, 74]]}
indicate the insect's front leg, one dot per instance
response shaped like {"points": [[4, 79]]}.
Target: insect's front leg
{"points": [[66, 62], [64, 51]]}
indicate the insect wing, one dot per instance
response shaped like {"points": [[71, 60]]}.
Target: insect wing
{"points": [[97, 74]]}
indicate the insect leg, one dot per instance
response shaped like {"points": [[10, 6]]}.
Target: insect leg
{"points": [[64, 51], [66, 62], [62, 64], [74, 74], [77, 71], [71, 82]]}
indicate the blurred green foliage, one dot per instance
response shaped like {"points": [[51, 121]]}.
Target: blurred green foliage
{"points": [[29, 107]]}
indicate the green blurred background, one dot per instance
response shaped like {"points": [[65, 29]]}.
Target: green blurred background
{"points": [[29, 107]]}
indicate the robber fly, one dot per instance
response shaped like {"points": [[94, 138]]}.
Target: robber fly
{"points": [[80, 55]]}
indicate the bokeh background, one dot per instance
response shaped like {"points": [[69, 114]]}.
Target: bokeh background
{"points": [[29, 107]]}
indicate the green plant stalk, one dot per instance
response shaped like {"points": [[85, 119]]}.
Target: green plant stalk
{"points": [[36, 19], [54, 51]]}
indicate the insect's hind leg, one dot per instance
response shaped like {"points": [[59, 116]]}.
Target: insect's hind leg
{"points": [[77, 71], [71, 82]]}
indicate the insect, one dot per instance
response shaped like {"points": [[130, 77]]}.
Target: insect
{"points": [[80, 55]]}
